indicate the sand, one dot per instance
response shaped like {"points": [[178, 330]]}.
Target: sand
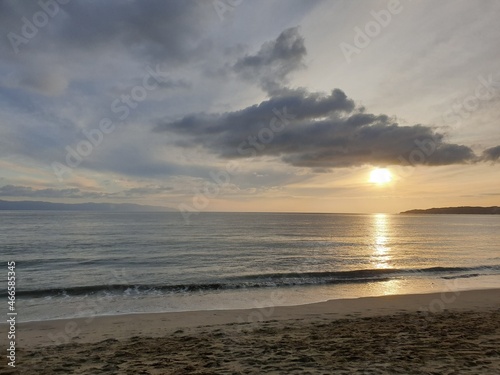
{"points": [[442, 333]]}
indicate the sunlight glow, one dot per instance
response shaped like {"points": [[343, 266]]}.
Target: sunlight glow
{"points": [[380, 176]]}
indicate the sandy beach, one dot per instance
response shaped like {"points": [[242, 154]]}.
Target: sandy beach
{"points": [[441, 333]]}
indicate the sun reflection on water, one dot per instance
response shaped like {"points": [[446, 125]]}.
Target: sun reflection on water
{"points": [[381, 256]]}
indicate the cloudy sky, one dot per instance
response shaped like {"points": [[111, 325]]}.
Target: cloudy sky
{"points": [[239, 105]]}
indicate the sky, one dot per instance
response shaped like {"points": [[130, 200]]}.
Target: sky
{"points": [[262, 105]]}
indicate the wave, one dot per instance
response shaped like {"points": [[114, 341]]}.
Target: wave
{"points": [[267, 280]]}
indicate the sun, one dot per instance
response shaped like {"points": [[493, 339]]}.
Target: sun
{"points": [[380, 176]]}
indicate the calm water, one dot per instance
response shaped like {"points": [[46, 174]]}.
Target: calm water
{"points": [[77, 263]]}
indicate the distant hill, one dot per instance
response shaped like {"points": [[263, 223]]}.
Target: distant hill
{"points": [[458, 210], [107, 207]]}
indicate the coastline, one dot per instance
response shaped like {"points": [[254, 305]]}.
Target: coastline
{"points": [[411, 334]]}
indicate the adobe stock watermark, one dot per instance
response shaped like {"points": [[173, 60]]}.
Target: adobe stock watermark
{"points": [[486, 90], [31, 26], [122, 108], [372, 29], [222, 178], [223, 6]]}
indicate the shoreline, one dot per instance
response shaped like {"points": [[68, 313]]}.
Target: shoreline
{"points": [[92, 329], [60, 308]]}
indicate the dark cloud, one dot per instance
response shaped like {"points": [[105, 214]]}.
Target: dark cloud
{"points": [[274, 61], [169, 30], [225, 132], [321, 131], [491, 154], [90, 45]]}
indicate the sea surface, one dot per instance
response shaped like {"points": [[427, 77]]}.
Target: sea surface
{"points": [[77, 264]]}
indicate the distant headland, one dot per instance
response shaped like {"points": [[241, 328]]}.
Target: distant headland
{"points": [[106, 207], [464, 210]]}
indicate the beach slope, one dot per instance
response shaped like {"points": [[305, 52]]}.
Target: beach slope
{"points": [[442, 333]]}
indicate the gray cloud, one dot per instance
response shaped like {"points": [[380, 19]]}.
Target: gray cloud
{"points": [[274, 61], [326, 131], [491, 154], [169, 30], [251, 119]]}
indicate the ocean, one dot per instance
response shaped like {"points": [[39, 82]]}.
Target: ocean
{"points": [[78, 264]]}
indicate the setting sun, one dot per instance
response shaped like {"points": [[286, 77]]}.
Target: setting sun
{"points": [[380, 176]]}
